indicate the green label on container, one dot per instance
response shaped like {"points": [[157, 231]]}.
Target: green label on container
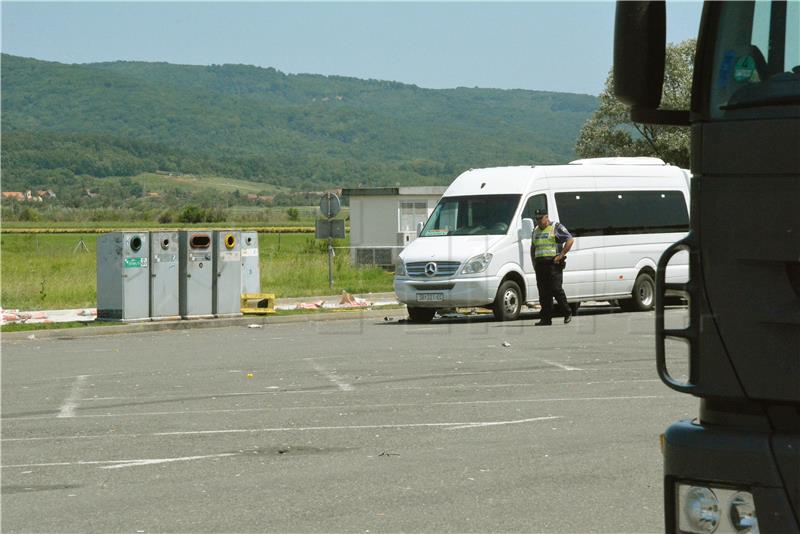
{"points": [[134, 263]]}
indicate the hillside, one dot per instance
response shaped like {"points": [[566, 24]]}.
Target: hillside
{"points": [[301, 132]]}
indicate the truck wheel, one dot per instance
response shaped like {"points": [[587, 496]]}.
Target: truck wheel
{"points": [[508, 302], [421, 315], [643, 296]]}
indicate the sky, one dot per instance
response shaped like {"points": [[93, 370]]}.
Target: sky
{"points": [[548, 46]]}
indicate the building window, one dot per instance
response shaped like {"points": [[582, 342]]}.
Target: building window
{"points": [[412, 213]]}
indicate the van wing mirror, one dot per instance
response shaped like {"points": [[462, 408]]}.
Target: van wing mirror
{"points": [[526, 229], [640, 37], [420, 226]]}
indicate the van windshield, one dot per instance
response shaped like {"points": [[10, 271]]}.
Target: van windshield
{"points": [[472, 215]]}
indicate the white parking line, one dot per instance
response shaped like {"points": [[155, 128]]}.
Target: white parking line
{"points": [[68, 408], [333, 377], [466, 424], [561, 366], [340, 407], [116, 464]]}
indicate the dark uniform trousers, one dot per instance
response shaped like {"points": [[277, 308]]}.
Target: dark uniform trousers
{"points": [[549, 277]]}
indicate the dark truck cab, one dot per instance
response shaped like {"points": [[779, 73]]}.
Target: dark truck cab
{"points": [[736, 467]]}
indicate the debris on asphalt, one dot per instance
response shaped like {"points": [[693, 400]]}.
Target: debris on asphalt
{"points": [[349, 301], [310, 305], [506, 344], [255, 325], [31, 336], [386, 453]]}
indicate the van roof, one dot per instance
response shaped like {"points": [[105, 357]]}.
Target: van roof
{"points": [[519, 179], [639, 160]]}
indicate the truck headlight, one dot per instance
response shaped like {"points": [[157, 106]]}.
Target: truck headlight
{"points": [[706, 509], [400, 268], [699, 509], [743, 513], [477, 264]]}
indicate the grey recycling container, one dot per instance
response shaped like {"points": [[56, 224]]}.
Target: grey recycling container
{"points": [[123, 276], [251, 271], [195, 273], [164, 268], [227, 284]]}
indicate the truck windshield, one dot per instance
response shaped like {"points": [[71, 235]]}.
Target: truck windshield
{"points": [[756, 58], [472, 215]]}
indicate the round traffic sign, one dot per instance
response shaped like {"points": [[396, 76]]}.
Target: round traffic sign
{"points": [[329, 205]]}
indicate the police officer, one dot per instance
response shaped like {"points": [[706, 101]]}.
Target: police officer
{"points": [[549, 246]]}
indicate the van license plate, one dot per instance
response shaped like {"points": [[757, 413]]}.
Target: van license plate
{"points": [[430, 297]]}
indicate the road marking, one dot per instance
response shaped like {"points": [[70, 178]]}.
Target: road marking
{"points": [[68, 408], [351, 427], [333, 377], [117, 464], [497, 423], [336, 407], [466, 424], [561, 366]]}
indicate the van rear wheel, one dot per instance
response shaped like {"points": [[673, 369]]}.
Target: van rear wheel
{"points": [[508, 302], [421, 315], [643, 295]]}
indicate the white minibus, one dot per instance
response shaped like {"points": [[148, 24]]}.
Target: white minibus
{"points": [[474, 250]]}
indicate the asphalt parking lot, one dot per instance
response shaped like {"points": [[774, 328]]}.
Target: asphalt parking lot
{"points": [[362, 425]]}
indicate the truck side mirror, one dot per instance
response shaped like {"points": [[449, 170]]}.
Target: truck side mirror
{"points": [[640, 37], [420, 226], [526, 229]]}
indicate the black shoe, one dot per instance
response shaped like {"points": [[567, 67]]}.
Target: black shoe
{"points": [[567, 318], [543, 323]]}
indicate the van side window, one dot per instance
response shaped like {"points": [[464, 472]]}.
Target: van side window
{"points": [[534, 203], [622, 212]]}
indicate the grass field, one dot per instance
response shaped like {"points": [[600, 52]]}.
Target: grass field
{"points": [[160, 182], [50, 271]]}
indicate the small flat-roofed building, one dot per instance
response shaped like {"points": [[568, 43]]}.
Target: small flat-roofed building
{"points": [[383, 220]]}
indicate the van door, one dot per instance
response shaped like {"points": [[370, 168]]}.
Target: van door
{"points": [[584, 276], [534, 202]]}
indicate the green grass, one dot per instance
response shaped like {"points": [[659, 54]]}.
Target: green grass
{"points": [[160, 182], [44, 271]]}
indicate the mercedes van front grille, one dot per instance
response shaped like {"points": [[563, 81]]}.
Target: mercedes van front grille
{"points": [[432, 269]]}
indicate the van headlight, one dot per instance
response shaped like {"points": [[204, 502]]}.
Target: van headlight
{"points": [[400, 268], [706, 510], [477, 264]]}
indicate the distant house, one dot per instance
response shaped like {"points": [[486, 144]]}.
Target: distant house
{"points": [[383, 220], [46, 194], [27, 196]]}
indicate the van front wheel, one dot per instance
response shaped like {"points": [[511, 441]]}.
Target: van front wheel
{"points": [[421, 315], [643, 295], [508, 302]]}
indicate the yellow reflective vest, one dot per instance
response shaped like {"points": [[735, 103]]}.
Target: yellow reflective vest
{"points": [[544, 242]]}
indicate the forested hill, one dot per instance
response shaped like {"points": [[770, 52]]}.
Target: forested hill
{"points": [[298, 131]]}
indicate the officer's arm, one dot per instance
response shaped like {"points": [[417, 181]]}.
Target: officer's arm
{"points": [[567, 246]]}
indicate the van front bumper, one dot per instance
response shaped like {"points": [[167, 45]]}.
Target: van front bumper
{"points": [[446, 293]]}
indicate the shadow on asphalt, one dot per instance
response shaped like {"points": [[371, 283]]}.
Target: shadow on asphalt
{"points": [[489, 318]]}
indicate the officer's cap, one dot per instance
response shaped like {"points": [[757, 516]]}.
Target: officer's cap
{"points": [[540, 212]]}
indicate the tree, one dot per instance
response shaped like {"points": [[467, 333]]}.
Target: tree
{"points": [[610, 131]]}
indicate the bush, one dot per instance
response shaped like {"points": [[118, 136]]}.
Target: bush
{"points": [[165, 217], [29, 214], [192, 214], [293, 213]]}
